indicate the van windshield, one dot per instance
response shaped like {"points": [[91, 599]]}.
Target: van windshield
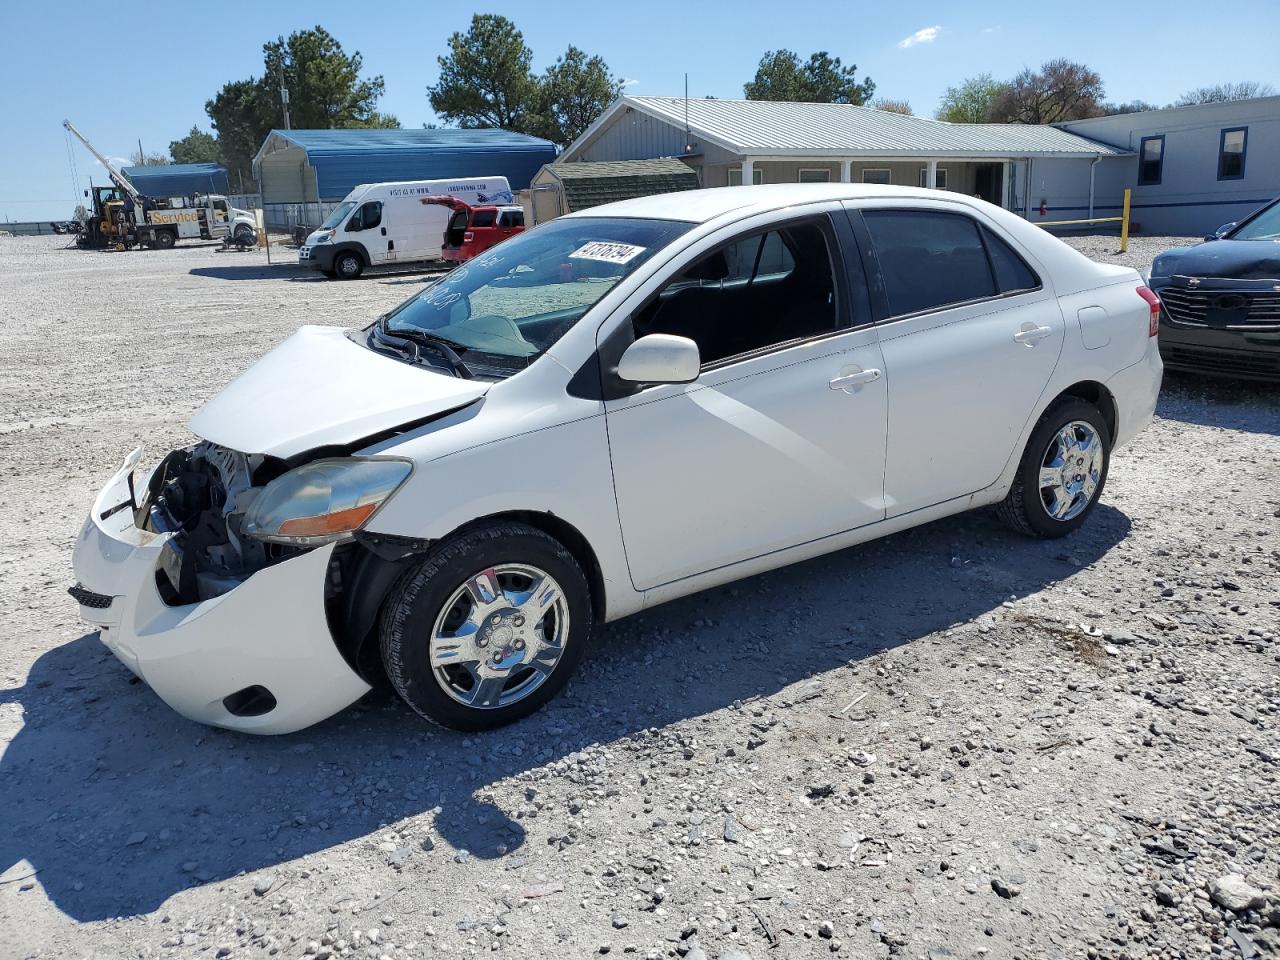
{"points": [[338, 215], [514, 301]]}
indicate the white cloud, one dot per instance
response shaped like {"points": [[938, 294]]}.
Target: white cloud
{"points": [[630, 82], [925, 35], [990, 29]]}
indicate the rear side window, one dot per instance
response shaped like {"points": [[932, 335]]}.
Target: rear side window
{"points": [[929, 260], [484, 218], [1012, 272]]}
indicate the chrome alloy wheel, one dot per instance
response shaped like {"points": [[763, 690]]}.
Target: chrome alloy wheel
{"points": [[499, 636], [1071, 470]]}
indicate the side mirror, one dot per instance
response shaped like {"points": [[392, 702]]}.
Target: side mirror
{"points": [[1220, 232], [660, 358]]}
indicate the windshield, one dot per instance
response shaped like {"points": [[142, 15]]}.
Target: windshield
{"points": [[338, 215], [520, 297], [1265, 226]]}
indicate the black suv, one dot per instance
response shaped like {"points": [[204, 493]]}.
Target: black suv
{"points": [[1221, 300]]}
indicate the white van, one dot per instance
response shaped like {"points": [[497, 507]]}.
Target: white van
{"points": [[387, 223]]}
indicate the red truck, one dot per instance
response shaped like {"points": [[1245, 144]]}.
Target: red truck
{"points": [[472, 230]]}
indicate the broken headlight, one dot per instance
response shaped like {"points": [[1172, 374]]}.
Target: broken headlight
{"points": [[323, 501]]}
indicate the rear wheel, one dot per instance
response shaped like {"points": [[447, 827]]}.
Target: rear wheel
{"points": [[487, 628], [163, 240], [1062, 473], [244, 236], [348, 265]]}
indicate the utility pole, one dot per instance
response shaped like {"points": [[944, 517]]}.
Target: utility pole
{"points": [[284, 100], [142, 157]]}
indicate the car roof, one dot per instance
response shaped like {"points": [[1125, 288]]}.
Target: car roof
{"points": [[699, 206]]}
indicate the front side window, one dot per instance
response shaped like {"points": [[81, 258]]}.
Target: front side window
{"points": [[512, 218], [815, 175], [929, 260], [759, 291], [1151, 161], [877, 175], [514, 301], [367, 217], [1231, 150]]}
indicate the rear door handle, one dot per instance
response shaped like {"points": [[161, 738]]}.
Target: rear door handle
{"points": [[1030, 335], [848, 381]]}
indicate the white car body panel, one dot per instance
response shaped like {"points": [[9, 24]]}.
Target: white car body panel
{"points": [[676, 488], [319, 388]]}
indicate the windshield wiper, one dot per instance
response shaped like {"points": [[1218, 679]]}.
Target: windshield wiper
{"points": [[423, 338]]}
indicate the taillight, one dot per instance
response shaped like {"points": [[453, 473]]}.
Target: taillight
{"points": [[1153, 302], [468, 235]]}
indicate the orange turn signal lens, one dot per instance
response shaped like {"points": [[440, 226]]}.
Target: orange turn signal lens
{"points": [[329, 523]]}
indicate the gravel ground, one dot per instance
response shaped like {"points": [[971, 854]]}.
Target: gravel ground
{"points": [[954, 742]]}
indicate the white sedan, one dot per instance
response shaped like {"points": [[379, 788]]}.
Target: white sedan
{"points": [[615, 409]]}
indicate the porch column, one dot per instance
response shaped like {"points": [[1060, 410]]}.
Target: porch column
{"points": [[846, 171], [748, 172], [932, 178]]}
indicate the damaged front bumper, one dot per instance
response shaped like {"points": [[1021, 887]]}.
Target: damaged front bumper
{"points": [[259, 658]]}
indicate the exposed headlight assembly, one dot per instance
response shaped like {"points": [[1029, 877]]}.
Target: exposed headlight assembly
{"points": [[324, 501]]}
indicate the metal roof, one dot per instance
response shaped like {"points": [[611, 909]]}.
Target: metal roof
{"points": [[592, 184], [178, 179], [766, 128], [344, 158]]}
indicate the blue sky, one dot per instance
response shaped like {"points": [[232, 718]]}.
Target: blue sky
{"points": [[152, 83]]}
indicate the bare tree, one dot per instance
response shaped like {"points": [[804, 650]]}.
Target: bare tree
{"points": [[1060, 90], [893, 106], [1223, 92]]}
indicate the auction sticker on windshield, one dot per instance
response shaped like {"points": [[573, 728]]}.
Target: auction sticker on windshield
{"points": [[607, 252]]}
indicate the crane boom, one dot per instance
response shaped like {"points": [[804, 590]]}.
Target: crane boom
{"points": [[117, 175]]}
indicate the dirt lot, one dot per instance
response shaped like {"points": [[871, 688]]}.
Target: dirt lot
{"points": [[951, 743]]}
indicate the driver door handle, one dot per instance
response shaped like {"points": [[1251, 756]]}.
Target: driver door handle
{"points": [[1031, 335], [849, 380]]}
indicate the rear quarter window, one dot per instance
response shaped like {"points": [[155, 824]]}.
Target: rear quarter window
{"points": [[1012, 272]]}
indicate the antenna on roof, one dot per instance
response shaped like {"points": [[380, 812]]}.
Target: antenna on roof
{"points": [[688, 137]]}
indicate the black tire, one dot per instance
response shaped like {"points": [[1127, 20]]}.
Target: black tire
{"points": [[348, 265], [1025, 508], [245, 237], [163, 240], [410, 613]]}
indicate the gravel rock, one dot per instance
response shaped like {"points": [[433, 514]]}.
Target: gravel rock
{"points": [[1235, 893]]}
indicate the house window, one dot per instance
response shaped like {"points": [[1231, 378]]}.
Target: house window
{"points": [[1151, 160], [735, 176], [877, 175], [814, 175], [1231, 149], [942, 177]]}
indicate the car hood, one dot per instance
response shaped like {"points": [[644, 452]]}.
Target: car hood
{"points": [[1234, 259], [318, 389]]}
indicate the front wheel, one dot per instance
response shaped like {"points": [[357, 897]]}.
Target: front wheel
{"points": [[487, 628], [348, 265], [1062, 473]]}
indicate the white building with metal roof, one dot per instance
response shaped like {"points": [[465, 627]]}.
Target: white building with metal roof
{"points": [[1066, 172]]}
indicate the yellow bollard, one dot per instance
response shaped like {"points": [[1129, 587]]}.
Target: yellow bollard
{"points": [[1124, 224]]}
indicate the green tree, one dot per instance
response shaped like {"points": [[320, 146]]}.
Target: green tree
{"points": [[486, 79], [893, 106], [971, 101], [1223, 92], [822, 79], [573, 92], [196, 147], [325, 92], [1060, 90]]}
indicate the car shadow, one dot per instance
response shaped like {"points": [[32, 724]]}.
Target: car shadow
{"points": [[1249, 405], [296, 273], [118, 803]]}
